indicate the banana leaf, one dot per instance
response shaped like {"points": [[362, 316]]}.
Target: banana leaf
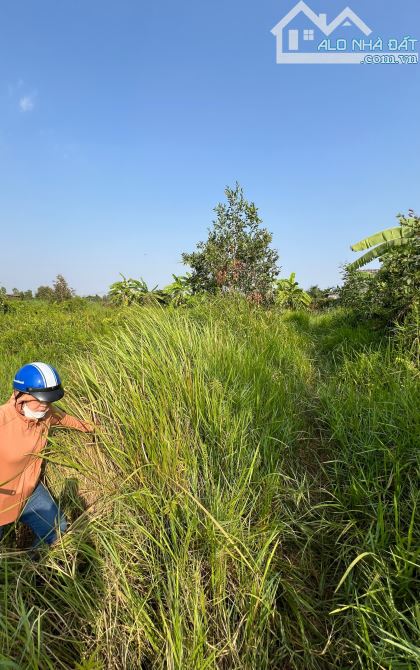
{"points": [[377, 252], [387, 235]]}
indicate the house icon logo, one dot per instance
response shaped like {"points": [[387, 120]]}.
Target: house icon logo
{"points": [[293, 42]]}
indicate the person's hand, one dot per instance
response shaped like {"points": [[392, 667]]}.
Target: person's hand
{"points": [[93, 425]]}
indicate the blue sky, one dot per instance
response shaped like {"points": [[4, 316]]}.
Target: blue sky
{"points": [[122, 122]]}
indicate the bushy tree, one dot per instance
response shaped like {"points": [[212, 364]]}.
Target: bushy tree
{"points": [[323, 298], [357, 291], [236, 255], [44, 293], [58, 293], [3, 301], [62, 290], [393, 292], [398, 280], [17, 293]]}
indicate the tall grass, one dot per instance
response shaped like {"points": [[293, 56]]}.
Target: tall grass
{"points": [[248, 501], [367, 410], [37, 330], [371, 408]]}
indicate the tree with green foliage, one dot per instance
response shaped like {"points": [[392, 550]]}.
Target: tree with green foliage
{"points": [[62, 290], [44, 293], [3, 301], [316, 293], [398, 281], [17, 293], [323, 299], [58, 293], [236, 257], [289, 295], [357, 292], [394, 290]]}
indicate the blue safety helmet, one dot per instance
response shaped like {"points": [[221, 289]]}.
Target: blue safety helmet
{"points": [[40, 380]]}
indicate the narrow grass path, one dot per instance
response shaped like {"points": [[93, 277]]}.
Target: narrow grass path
{"points": [[369, 421]]}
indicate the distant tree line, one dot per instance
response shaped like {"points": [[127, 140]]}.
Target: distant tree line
{"points": [[60, 291]]}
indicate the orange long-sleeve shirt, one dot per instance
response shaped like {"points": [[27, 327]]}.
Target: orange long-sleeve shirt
{"points": [[21, 441]]}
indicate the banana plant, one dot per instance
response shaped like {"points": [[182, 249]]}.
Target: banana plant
{"points": [[385, 240], [289, 294], [129, 291], [3, 301], [179, 291]]}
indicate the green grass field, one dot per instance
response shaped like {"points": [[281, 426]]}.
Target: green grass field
{"points": [[249, 501]]}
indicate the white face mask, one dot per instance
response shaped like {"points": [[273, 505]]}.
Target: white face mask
{"points": [[33, 415]]}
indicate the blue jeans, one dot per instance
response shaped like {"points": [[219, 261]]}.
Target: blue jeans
{"points": [[43, 516]]}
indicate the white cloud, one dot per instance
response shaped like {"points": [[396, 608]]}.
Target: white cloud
{"points": [[26, 103]]}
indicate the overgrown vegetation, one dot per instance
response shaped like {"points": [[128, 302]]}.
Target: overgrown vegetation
{"points": [[290, 295], [249, 501], [251, 497], [35, 330], [393, 292]]}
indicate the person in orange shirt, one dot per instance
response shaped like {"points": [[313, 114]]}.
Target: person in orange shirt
{"points": [[24, 424]]}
